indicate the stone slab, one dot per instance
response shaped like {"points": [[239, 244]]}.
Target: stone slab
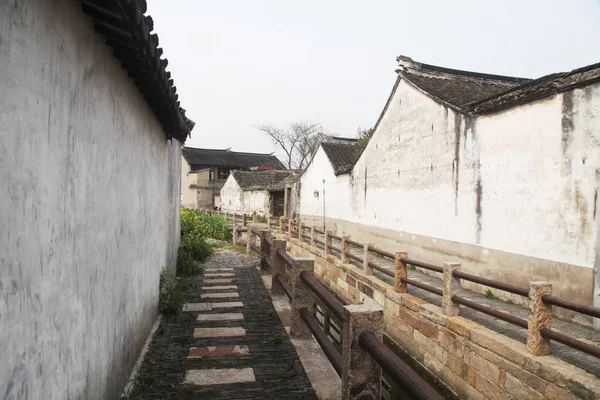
{"points": [[218, 269], [220, 317], [197, 307], [227, 304], [218, 275], [218, 351], [222, 287], [217, 280], [219, 295], [205, 377], [218, 332]]}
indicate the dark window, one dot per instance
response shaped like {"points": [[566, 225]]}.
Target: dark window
{"points": [[223, 173], [212, 175]]}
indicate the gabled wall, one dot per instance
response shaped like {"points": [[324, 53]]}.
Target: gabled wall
{"points": [[511, 196], [234, 199], [89, 208]]}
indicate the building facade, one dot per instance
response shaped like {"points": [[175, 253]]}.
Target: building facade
{"points": [[89, 195], [497, 173], [205, 171]]}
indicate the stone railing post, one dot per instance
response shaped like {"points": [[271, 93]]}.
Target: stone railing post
{"points": [[400, 272], [313, 235], [451, 287], [302, 296], [290, 228], [281, 230], [361, 374], [328, 240], [250, 239], [269, 221], [540, 316], [367, 258], [265, 251], [345, 249], [254, 218], [244, 224], [300, 232], [278, 267], [234, 233]]}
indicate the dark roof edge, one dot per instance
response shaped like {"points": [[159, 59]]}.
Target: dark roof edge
{"points": [[236, 152], [128, 32], [479, 107]]}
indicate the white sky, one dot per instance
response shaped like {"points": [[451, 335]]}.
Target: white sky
{"points": [[242, 63]]}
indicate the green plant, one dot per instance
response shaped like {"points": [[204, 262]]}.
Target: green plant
{"points": [[489, 294], [186, 265], [276, 338], [196, 247], [198, 225], [170, 298], [270, 312], [261, 219], [411, 267]]}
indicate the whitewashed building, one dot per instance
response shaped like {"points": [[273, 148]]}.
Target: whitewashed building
{"points": [[499, 173], [255, 192], [90, 161]]}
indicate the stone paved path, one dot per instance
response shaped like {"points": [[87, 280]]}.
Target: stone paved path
{"points": [[228, 343]]}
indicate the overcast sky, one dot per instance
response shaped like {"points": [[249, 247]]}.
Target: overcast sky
{"points": [[242, 63]]}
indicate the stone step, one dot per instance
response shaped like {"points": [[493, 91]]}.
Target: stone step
{"points": [[218, 351], [204, 377], [219, 295], [217, 280], [215, 275], [222, 287], [220, 317], [218, 332], [227, 304], [218, 269], [197, 307]]}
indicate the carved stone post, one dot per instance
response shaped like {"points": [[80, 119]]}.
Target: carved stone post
{"points": [[265, 251], [540, 316], [269, 221], [254, 218], [328, 240], [345, 249], [244, 224], [401, 272], [302, 296], [290, 228], [367, 258], [300, 232], [234, 234], [251, 239], [281, 229], [451, 287], [278, 267], [361, 374], [313, 235]]}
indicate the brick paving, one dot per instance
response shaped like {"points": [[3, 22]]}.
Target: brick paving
{"points": [[220, 355]]}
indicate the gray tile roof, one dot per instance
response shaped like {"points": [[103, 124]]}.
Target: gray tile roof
{"points": [[341, 153], [260, 180], [454, 87], [231, 159]]}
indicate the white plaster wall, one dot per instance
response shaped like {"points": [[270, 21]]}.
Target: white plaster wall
{"points": [[334, 193], [89, 208], [234, 199], [539, 177], [189, 197]]}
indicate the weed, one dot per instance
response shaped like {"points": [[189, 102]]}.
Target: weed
{"points": [[411, 267], [270, 312], [276, 338], [377, 255], [170, 298], [184, 338], [261, 219], [489, 294]]}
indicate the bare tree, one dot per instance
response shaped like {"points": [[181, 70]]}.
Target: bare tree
{"points": [[299, 142]]}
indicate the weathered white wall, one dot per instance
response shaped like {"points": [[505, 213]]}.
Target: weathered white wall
{"points": [[234, 199], [521, 182], [189, 196], [89, 208]]}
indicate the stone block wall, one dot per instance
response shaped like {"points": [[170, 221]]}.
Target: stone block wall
{"points": [[473, 361]]}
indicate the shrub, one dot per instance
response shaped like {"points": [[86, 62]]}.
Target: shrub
{"points": [[170, 298], [198, 225], [186, 265], [197, 248]]}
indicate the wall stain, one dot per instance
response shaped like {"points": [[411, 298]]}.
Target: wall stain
{"points": [[456, 161], [567, 120], [478, 198]]}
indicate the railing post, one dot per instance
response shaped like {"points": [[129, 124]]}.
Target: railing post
{"points": [[290, 228], [300, 232], [361, 374], [328, 240], [254, 218], [265, 250], [278, 266], [451, 287], [540, 316], [313, 235], [367, 258], [234, 233], [302, 296], [269, 221], [281, 230], [251, 239], [345, 249], [400, 272], [244, 224]]}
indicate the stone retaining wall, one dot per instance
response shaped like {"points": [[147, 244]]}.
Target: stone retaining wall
{"points": [[474, 361]]}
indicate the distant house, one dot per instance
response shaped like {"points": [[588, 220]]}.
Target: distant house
{"points": [[90, 161], [498, 173], [260, 192], [204, 172]]}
